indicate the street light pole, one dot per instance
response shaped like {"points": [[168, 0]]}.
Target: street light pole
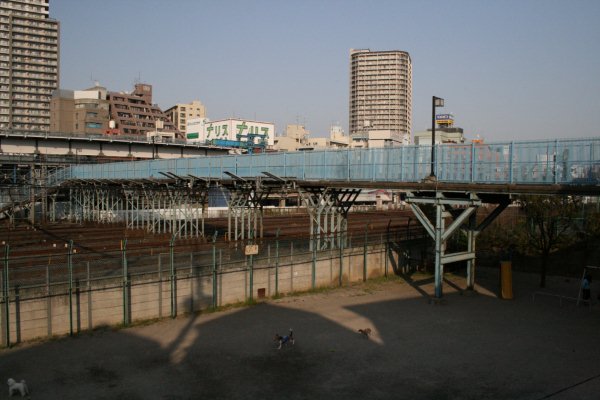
{"points": [[435, 102]]}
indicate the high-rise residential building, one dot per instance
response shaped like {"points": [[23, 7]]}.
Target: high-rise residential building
{"points": [[29, 64], [181, 113], [380, 97]]}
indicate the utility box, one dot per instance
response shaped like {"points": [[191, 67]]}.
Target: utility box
{"points": [[506, 280]]}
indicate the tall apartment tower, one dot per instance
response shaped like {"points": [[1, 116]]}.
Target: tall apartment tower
{"points": [[29, 62], [380, 97]]}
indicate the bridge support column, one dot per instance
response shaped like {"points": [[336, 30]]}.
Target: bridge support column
{"points": [[438, 231], [328, 210], [462, 208], [246, 209], [245, 205]]}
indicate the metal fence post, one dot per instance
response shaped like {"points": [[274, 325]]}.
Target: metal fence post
{"points": [[554, 159], [314, 262], [172, 277], [89, 296], [70, 271], [472, 171], [214, 271], [251, 266], [160, 286], [5, 295], [125, 283], [387, 249], [511, 160], [48, 301], [341, 261], [365, 256], [277, 261]]}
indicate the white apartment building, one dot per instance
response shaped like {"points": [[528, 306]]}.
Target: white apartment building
{"points": [[29, 64], [380, 98], [180, 114]]}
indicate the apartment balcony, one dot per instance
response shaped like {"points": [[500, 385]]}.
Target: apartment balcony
{"points": [[33, 68], [35, 83], [33, 38], [27, 49], [31, 29], [35, 62]]}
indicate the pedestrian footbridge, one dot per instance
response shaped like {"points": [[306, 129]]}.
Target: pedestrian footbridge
{"points": [[328, 182]]}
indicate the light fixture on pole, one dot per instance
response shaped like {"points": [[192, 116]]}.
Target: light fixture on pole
{"points": [[435, 102]]}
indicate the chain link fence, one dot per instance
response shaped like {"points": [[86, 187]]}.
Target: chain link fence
{"points": [[71, 288]]}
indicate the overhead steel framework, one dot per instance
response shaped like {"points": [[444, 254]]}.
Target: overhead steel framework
{"points": [[461, 208], [175, 206], [328, 210], [247, 198]]}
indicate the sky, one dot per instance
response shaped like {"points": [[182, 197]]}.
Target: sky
{"points": [[508, 70]]}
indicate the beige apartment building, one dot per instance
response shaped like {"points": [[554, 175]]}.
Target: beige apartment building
{"points": [[179, 114], [380, 98], [29, 64], [79, 111], [297, 138]]}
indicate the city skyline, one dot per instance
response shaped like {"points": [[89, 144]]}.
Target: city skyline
{"points": [[508, 70]]}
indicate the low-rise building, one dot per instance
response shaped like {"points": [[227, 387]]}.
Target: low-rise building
{"points": [[98, 111], [445, 132], [79, 111], [180, 113], [297, 138], [442, 135]]}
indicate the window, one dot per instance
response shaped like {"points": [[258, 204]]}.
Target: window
{"points": [[93, 125]]}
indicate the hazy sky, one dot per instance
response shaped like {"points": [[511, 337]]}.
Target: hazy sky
{"points": [[508, 70]]}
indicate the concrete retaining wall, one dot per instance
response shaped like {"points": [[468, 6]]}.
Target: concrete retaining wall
{"points": [[42, 312]]}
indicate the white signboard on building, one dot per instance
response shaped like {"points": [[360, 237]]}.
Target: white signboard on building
{"points": [[201, 130]]}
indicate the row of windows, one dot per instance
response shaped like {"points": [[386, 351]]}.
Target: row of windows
{"points": [[38, 120], [47, 32], [30, 54], [35, 37], [40, 6], [103, 106], [27, 89], [27, 67], [26, 127], [4, 79]]}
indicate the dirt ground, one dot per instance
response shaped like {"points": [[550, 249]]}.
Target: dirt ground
{"points": [[470, 346]]}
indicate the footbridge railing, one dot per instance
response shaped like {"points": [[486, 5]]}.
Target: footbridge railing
{"points": [[568, 161]]}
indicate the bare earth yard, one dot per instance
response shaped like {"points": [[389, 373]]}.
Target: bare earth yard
{"points": [[474, 346]]}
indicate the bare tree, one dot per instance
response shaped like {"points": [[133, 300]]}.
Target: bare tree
{"points": [[549, 226]]}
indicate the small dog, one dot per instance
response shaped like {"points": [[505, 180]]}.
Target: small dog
{"points": [[365, 332], [284, 340], [20, 387]]}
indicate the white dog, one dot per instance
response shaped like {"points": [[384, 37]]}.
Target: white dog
{"points": [[20, 387]]}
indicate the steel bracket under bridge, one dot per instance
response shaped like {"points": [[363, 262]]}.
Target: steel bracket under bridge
{"points": [[460, 208]]}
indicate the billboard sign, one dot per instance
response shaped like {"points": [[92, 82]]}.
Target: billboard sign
{"points": [[202, 130], [444, 119]]}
